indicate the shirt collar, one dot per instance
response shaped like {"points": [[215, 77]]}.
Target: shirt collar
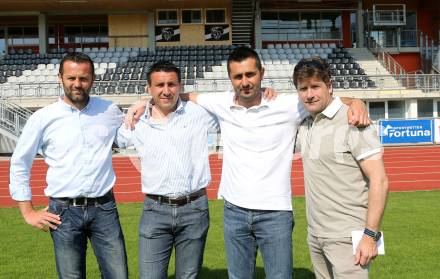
{"points": [[180, 108], [263, 104], [333, 108], [68, 107]]}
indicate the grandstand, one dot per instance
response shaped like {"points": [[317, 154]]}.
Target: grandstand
{"points": [[384, 52]]}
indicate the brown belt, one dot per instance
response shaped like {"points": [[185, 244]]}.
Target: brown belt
{"points": [[179, 200]]}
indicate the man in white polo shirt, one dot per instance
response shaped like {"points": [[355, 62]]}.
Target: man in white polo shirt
{"points": [[345, 181]]}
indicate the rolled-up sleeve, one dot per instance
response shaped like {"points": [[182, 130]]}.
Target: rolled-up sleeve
{"points": [[123, 137], [22, 158]]}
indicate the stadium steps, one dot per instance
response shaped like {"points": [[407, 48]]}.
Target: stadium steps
{"points": [[242, 21], [372, 66], [12, 119]]}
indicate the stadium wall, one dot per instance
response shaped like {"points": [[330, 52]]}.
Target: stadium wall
{"points": [[409, 61], [124, 26]]}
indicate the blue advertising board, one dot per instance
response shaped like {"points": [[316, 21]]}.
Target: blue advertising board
{"points": [[406, 131]]}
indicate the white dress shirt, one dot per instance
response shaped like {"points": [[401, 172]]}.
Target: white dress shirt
{"points": [[76, 145], [174, 154]]}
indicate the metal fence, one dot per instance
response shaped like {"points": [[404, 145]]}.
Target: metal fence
{"points": [[387, 61], [13, 118], [416, 81]]}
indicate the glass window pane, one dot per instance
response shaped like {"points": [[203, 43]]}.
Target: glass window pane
{"points": [[186, 16], [196, 17], [377, 110], [396, 109], [72, 30], [172, 15], [438, 108], [269, 16], [310, 25], [330, 25], [15, 31], [191, 16], [167, 17], [93, 30], [215, 16], [425, 108], [2, 41], [32, 31]]}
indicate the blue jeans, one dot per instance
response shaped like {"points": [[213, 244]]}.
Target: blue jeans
{"points": [[247, 230], [163, 227], [100, 224]]}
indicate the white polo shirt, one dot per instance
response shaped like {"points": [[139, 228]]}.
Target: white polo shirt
{"points": [[257, 149]]}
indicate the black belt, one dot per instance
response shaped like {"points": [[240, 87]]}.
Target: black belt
{"points": [[179, 200], [84, 201]]}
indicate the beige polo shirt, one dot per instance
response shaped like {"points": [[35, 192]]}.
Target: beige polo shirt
{"points": [[335, 187]]}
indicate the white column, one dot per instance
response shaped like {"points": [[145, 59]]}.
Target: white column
{"points": [[360, 25], [151, 31], [386, 109], [42, 32], [411, 108], [257, 26]]}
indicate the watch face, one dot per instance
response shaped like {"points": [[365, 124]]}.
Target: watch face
{"points": [[377, 236]]}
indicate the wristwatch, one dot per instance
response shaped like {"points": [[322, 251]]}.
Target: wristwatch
{"points": [[374, 235]]}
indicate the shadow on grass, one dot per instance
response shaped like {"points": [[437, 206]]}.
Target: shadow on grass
{"points": [[299, 273]]}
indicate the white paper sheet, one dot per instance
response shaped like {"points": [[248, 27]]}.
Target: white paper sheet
{"points": [[356, 236]]}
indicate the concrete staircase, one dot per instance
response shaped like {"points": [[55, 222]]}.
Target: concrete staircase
{"points": [[12, 119], [372, 66], [242, 21]]}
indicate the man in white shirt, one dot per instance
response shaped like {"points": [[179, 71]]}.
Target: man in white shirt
{"points": [[75, 136]]}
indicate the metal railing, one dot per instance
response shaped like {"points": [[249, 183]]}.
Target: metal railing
{"points": [[389, 14], [284, 35], [429, 52], [396, 38], [407, 81], [424, 82], [384, 58], [12, 118]]}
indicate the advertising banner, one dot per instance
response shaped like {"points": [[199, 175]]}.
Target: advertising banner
{"points": [[167, 33], [217, 32], [406, 131], [437, 130]]}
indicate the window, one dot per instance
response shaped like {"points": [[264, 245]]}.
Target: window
{"points": [[166, 17], [83, 33], [191, 16], [396, 109], [377, 110], [291, 25], [2, 41], [215, 16], [425, 108], [27, 35], [438, 108]]}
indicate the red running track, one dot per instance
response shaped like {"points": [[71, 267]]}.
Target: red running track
{"points": [[408, 168]]}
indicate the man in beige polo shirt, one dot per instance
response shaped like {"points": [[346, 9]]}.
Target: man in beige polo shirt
{"points": [[345, 180]]}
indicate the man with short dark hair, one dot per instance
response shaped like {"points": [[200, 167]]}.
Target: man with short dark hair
{"points": [[172, 141], [75, 136], [345, 181]]}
